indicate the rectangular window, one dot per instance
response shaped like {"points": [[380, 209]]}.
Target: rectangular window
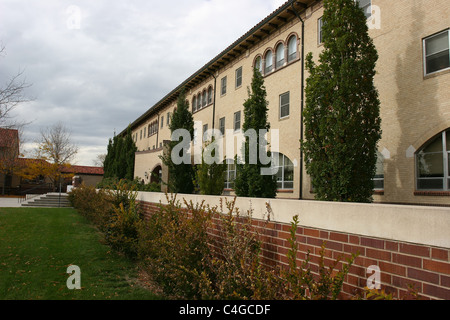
{"points": [[237, 121], [284, 105], [366, 6], [378, 180], [223, 89], [222, 126], [319, 30], [168, 118], [239, 77], [162, 122], [230, 176], [205, 130], [437, 52]]}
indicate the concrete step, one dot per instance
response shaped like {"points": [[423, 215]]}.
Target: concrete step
{"points": [[50, 200]]}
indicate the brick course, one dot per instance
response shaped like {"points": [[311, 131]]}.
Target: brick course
{"points": [[425, 267]]}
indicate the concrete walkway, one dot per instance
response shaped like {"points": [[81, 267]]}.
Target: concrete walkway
{"points": [[9, 202]]}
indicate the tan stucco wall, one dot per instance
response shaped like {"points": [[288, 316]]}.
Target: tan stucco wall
{"points": [[414, 108]]}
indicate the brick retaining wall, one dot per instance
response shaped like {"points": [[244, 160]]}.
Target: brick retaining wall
{"points": [[401, 263]]}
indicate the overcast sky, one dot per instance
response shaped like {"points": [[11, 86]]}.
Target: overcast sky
{"points": [[97, 65]]}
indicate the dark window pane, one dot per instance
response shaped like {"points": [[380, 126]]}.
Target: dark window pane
{"points": [[430, 165], [430, 184], [438, 61]]}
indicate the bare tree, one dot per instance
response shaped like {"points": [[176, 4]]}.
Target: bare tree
{"points": [[56, 146], [100, 160], [11, 95], [56, 149]]}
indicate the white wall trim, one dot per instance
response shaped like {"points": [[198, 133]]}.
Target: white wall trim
{"points": [[416, 224]]}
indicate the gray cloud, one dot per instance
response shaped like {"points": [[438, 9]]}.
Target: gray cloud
{"points": [[121, 58]]}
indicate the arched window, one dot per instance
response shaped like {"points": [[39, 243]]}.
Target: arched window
{"points": [[230, 174], [199, 101], [292, 48], [204, 99], [194, 104], [210, 95], [258, 64], [156, 175], [285, 174], [280, 55], [269, 62], [432, 163]]}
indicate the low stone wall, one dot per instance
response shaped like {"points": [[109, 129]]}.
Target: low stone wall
{"points": [[409, 244]]}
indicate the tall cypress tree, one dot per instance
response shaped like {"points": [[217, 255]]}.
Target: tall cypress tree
{"points": [[209, 176], [130, 154], [181, 176], [342, 122], [108, 160], [119, 160], [249, 180]]}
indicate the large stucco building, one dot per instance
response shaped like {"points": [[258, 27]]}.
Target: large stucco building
{"points": [[413, 80]]}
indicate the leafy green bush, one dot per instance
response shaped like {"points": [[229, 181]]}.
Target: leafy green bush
{"points": [[302, 284], [199, 252], [172, 246], [113, 211], [95, 205], [136, 184], [122, 232], [235, 269]]}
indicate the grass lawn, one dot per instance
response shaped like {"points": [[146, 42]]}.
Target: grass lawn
{"points": [[38, 245]]}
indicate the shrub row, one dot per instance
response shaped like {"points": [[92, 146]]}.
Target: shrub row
{"points": [[193, 251]]}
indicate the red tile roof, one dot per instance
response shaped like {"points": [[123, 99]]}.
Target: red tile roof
{"points": [[71, 169], [85, 170]]}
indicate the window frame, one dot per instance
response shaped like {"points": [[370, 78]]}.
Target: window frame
{"points": [[266, 68], [280, 62], [210, 95], [445, 163], [319, 31], [425, 56], [204, 98], [288, 105], [260, 66], [199, 101], [380, 177], [229, 184], [238, 82], [281, 166], [194, 103], [292, 56], [367, 13], [222, 125], [205, 130], [235, 122], [223, 86]]}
